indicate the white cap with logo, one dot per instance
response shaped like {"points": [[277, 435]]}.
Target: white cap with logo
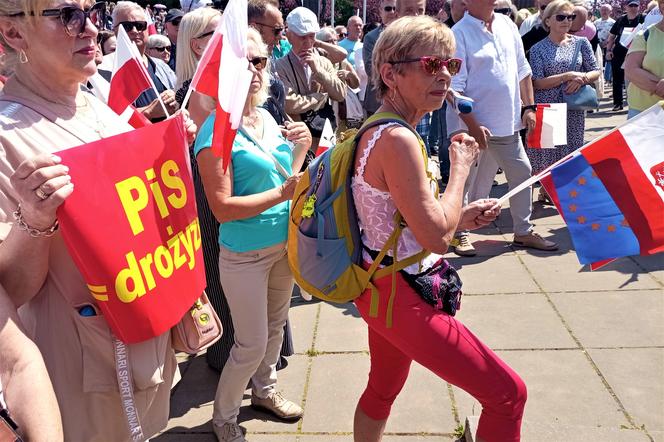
{"points": [[302, 21]]}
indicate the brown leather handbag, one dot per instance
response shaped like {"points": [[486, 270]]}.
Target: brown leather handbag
{"points": [[198, 329]]}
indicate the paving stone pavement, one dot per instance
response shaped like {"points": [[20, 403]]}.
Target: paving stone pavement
{"points": [[590, 347]]}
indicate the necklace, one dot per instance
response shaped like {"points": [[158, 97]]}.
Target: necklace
{"points": [[251, 120], [94, 123]]}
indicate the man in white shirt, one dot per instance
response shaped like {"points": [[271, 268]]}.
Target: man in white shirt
{"points": [[496, 74], [353, 41]]}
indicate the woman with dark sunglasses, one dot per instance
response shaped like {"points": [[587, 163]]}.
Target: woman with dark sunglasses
{"points": [[43, 110], [251, 200], [554, 71], [412, 71]]}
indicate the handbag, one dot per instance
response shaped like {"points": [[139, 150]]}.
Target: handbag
{"points": [[440, 286], [586, 97], [198, 329]]}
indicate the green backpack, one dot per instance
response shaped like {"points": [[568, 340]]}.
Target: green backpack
{"points": [[324, 245]]}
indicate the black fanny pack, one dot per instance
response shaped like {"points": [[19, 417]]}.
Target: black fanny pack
{"points": [[439, 286]]}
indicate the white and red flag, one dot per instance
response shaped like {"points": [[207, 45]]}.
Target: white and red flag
{"points": [[152, 27], [550, 126], [327, 138], [129, 80], [223, 74]]}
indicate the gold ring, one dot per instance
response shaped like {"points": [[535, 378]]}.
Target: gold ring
{"points": [[41, 194]]}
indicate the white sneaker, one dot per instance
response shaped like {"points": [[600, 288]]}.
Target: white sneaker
{"points": [[229, 432]]}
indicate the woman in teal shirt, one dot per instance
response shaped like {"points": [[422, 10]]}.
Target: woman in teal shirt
{"points": [[251, 200]]}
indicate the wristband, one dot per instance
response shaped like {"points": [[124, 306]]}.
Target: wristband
{"points": [[532, 107]]}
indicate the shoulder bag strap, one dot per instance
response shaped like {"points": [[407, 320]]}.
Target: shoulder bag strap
{"points": [[577, 49], [281, 169]]}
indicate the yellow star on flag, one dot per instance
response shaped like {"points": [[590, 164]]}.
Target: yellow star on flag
{"points": [[582, 181], [595, 226], [572, 207], [611, 228], [573, 193], [581, 219]]}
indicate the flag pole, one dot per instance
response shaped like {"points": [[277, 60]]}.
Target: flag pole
{"points": [[533, 179], [186, 97]]}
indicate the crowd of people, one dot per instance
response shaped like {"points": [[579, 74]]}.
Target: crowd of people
{"points": [[506, 60]]}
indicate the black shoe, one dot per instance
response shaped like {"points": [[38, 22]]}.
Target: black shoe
{"points": [[617, 107]]}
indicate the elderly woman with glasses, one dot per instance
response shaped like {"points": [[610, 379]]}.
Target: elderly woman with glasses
{"points": [[43, 110], [251, 200], [554, 72], [412, 72], [159, 46]]}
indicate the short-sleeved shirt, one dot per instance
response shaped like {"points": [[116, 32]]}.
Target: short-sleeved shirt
{"points": [[254, 172], [653, 62], [619, 51], [351, 46], [493, 65]]}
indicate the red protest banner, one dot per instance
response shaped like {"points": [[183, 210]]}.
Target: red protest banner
{"points": [[132, 228]]}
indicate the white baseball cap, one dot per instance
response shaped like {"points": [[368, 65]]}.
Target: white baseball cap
{"points": [[302, 21]]}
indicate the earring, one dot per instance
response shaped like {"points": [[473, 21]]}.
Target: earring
{"points": [[22, 57], [393, 96]]}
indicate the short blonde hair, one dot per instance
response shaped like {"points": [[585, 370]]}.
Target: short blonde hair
{"points": [[552, 9], [32, 9], [261, 96], [193, 24], [396, 43]]}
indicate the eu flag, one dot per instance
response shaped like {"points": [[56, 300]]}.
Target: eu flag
{"points": [[598, 228]]}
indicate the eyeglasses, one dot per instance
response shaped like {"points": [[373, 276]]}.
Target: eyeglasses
{"points": [[176, 21], [162, 49], [342, 34], [389, 8], [204, 35], [504, 11], [276, 30], [434, 65], [140, 26], [259, 62], [74, 18], [632, 6], [543, 7], [563, 17]]}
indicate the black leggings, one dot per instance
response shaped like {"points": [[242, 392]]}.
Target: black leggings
{"points": [[618, 80]]}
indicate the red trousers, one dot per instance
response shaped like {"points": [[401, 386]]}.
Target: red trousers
{"points": [[447, 348]]}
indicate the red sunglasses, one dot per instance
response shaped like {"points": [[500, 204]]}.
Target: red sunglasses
{"points": [[433, 65]]}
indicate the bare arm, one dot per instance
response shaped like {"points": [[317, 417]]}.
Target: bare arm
{"points": [[335, 53], [432, 221], [25, 381], [351, 77], [24, 259], [635, 73]]}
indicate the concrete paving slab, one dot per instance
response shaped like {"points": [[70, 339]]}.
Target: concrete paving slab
{"points": [[335, 385], [303, 316], [654, 264], [291, 383], [505, 274], [488, 242], [563, 390], [633, 375], [563, 273], [523, 321], [341, 328], [536, 432], [422, 406], [271, 437], [185, 437], [609, 319]]}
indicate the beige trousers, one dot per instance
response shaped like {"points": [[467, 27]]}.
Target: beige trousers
{"points": [[258, 286]]}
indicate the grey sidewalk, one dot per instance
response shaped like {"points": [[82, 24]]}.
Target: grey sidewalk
{"points": [[589, 345]]}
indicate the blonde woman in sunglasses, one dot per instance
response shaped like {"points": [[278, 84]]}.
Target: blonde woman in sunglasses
{"points": [[413, 65], [52, 45]]}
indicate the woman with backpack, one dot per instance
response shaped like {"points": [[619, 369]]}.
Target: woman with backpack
{"points": [[390, 179], [251, 200]]}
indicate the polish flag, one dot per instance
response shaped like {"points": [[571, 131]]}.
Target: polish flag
{"points": [[327, 138], [223, 74], [550, 126], [130, 77], [152, 28], [101, 89]]}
